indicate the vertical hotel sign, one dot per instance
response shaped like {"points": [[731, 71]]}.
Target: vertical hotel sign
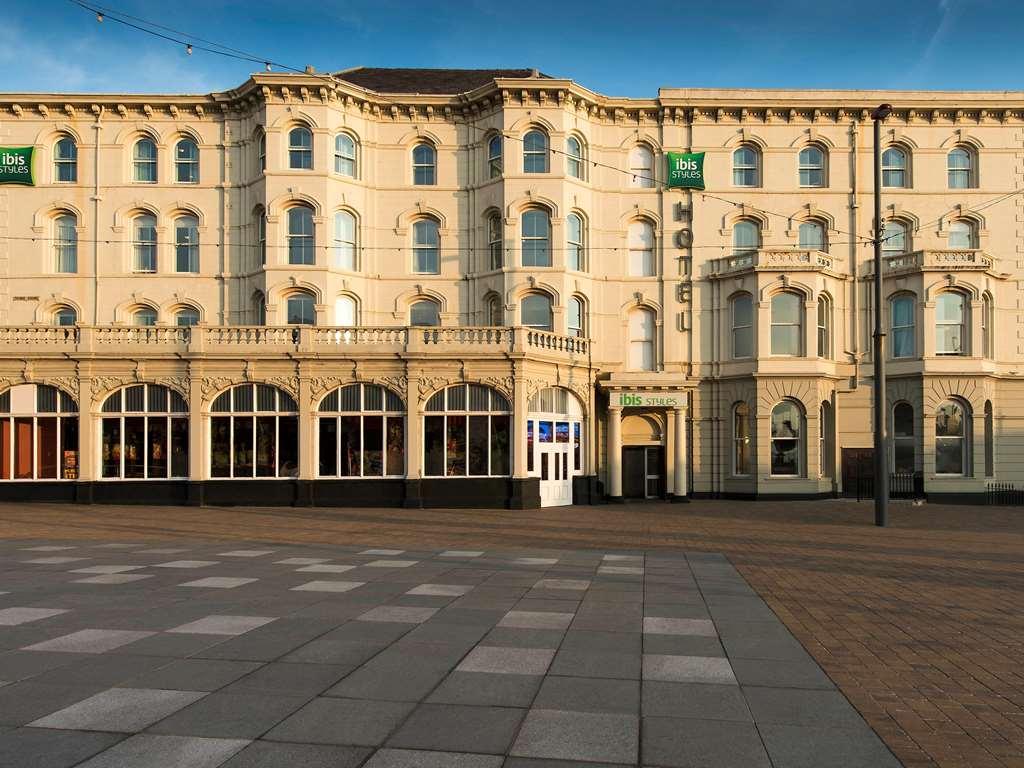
{"points": [[16, 165], [685, 170]]}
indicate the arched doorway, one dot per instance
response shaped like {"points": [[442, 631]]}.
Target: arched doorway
{"points": [[643, 456], [554, 443]]}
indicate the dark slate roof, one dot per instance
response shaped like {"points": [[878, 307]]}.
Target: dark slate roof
{"points": [[387, 80]]}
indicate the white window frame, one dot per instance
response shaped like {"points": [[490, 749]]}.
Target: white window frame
{"points": [[144, 250], [145, 169], [424, 170], [387, 415], [801, 438], [301, 244], [539, 244], [345, 155], [188, 164], [536, 156], [300, 296], [893, 170], [808, 167], [65, 243], [964, 325], [186, 244], [744, 168], [346, 237], [737, 327], [65, 164], [799, 324], [576, 255], [641, 166], [300, 156], [426, 247], [495, 156], [642, 247], [963, 439], [575, 162], [232, 415]]}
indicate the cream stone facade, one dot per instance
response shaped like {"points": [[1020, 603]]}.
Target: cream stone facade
{"points": [[472, 287]]}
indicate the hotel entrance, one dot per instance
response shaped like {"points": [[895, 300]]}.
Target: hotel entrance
{"points": [[643, 472]]}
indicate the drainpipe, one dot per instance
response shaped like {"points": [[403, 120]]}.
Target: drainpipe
{"points": [[98, 112], [855, 215]]}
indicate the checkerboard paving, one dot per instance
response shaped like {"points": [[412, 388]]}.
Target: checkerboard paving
{"points": [[446, 658]]}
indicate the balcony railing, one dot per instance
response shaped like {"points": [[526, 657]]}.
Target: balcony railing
{"points": [[768, 259], [950, 260], [251, 340]]}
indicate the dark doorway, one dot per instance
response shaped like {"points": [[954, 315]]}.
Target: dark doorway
{"points": [[858, 472], [643, 472]]}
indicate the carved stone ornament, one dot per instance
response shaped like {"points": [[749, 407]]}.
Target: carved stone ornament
{"points": [[504, 384], [396, 384], [214, 384], [429, 384], [319, 385], [68, 384], [104, 385], [179, 384], [289, 384]]}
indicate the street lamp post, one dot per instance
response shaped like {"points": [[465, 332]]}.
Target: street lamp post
{"points": [[881, 441]]}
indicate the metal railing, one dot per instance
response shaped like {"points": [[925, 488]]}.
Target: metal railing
{"points": [[1003, 494], [902, 485]]}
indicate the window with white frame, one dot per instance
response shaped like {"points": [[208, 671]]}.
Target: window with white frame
{"points": [[346, 311], [812, 236], [186, 244], [746, 237], [902, 311], [301, 309], [535, 152], [787, 323], [951, 324], [494, 315], [960, 168], [261, 151], [894, 168], [536, 238], [187, 317], [575, 165], [144, 243], [576, 255], [259, 308], [495, 240], [345, 155], [65, 316], [254, 433], [742, 311], [261, 233], [144, 434], [144, 161], [424, 165], [641, 339], [144, 317], [641, 167], [640, 244], [300, 148], [425, 313], [38, 434], [746, 167], [535, 311], [962, 234], [894, 238], [987, 326], [904, 445], [494, 156], [787, 438], [65, 161], [812, 167], [345, 240], [951, 438], [426, 247], [741, 440], [186, 162], [65, 243], [467, 433], [826, 447], [824, 327], [576, 321], [301, 235], [361, 433]]}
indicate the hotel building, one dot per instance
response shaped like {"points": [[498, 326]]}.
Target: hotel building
{"points": [[474, 288]]}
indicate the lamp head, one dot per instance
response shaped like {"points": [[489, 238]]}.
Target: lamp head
{"points": [[881, 112]]}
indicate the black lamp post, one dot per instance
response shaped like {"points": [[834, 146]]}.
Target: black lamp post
{"points": [[881, 437]]}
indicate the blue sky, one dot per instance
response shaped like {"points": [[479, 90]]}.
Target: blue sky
{"points": [[616, 48]]}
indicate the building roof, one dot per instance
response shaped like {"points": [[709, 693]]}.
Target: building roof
{"points": [[433, 81]]}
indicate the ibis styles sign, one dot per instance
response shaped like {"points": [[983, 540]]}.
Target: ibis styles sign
{"points": [[685, 170], [16, 165]]}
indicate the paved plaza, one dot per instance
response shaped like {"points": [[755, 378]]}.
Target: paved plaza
{"points": [[173, 654]]}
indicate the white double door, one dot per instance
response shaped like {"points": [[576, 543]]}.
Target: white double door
{"points": [[555, 464]]}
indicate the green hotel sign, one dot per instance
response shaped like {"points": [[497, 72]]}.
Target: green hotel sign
{"points": [[685, 170], [16, 165]]}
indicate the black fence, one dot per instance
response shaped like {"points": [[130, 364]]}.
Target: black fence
{"points": [[1003, 494], [902, 485]]}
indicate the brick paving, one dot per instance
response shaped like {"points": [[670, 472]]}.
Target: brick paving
{"points": [[921, 625]]}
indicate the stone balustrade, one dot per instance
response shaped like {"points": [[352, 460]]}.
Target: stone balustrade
{"points": [[947, 260], [770, 259]]}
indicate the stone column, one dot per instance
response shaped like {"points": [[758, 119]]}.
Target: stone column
{"points": [[679, 452], [89, 452], [413, 444], [615, 453], [198, 461], [307, 442]]}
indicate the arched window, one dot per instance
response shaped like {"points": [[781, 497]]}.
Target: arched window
{"points": [[38, 434], [962, 234], [746, 167], [425, 313], [261, 151], [424, 165], [261, 233], [186, 162], [361, 433], [826, 443], [641, 340], [495, 240], [257, 435], [494, 150], [576, 255], [894, 167], [990, 464], [536, 241], [960, 168], [186, 318], [301, 235], [346, 311], [787, 323], [640, 242], [65, 160], [987, 326], [894, 238], [535, 311], [902, 311], [144, 161], [746, 237], [144, 317], [812, 167], [301, 309], [186, 244], [65, 316], [345, 155], [467, 432], [426, 247], [535, 152], [812, 236], [741, 440], [904, 446], [300, 148], [787, 439], [641, 166], [952, 446], [742, 311], [575, 165], [345, 240], [950, 324], [144, 434], [259, 308], [577, 317], [144, 243], [494, 314], [65, 243], [824, 327]]}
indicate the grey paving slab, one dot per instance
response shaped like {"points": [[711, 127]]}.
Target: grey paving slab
{"points": [[47, 548], [655, 625], [795, 746], [33, 748], [390, 564], [398, 614], [18, 665], [532, 762], [440, 590], [326, 568], [120, 710], [268, 754], [536, 620], [511, 637], [107, 569], [59, 560], [683, 645], [486, 689], [457, 728], [342, 721], [384, 552], [597, 640], [781, 674], [302, 561], [113, 578], [578, 736], [25, 701], [624, 666], [694, 700], [14, 616], [789, 706], [411, 758], [674, 742], [230, 715], [271, 641], [584, 694], [90, 641], [246, 553], [688, 669], [285, 679], [328, 586], [462, 553], [190, 674], [223, 625], [105, 669], [563, 584], [158, 751], [219, 582], [513, 661], [186, 564]]}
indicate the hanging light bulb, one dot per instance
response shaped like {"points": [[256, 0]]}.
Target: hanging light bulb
{"points": [[99, 17], [267, 65], [188, 49]]}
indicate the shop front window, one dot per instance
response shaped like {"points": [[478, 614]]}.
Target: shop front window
{"points": [[144, 434], [38, 434], [558, 416], [254, 432], [361, 433], [467, 433]]}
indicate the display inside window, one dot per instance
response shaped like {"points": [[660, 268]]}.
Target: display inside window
{"points": [[365, 434], [466, 432], [38, 434], [144, 434], [257, 437]]}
